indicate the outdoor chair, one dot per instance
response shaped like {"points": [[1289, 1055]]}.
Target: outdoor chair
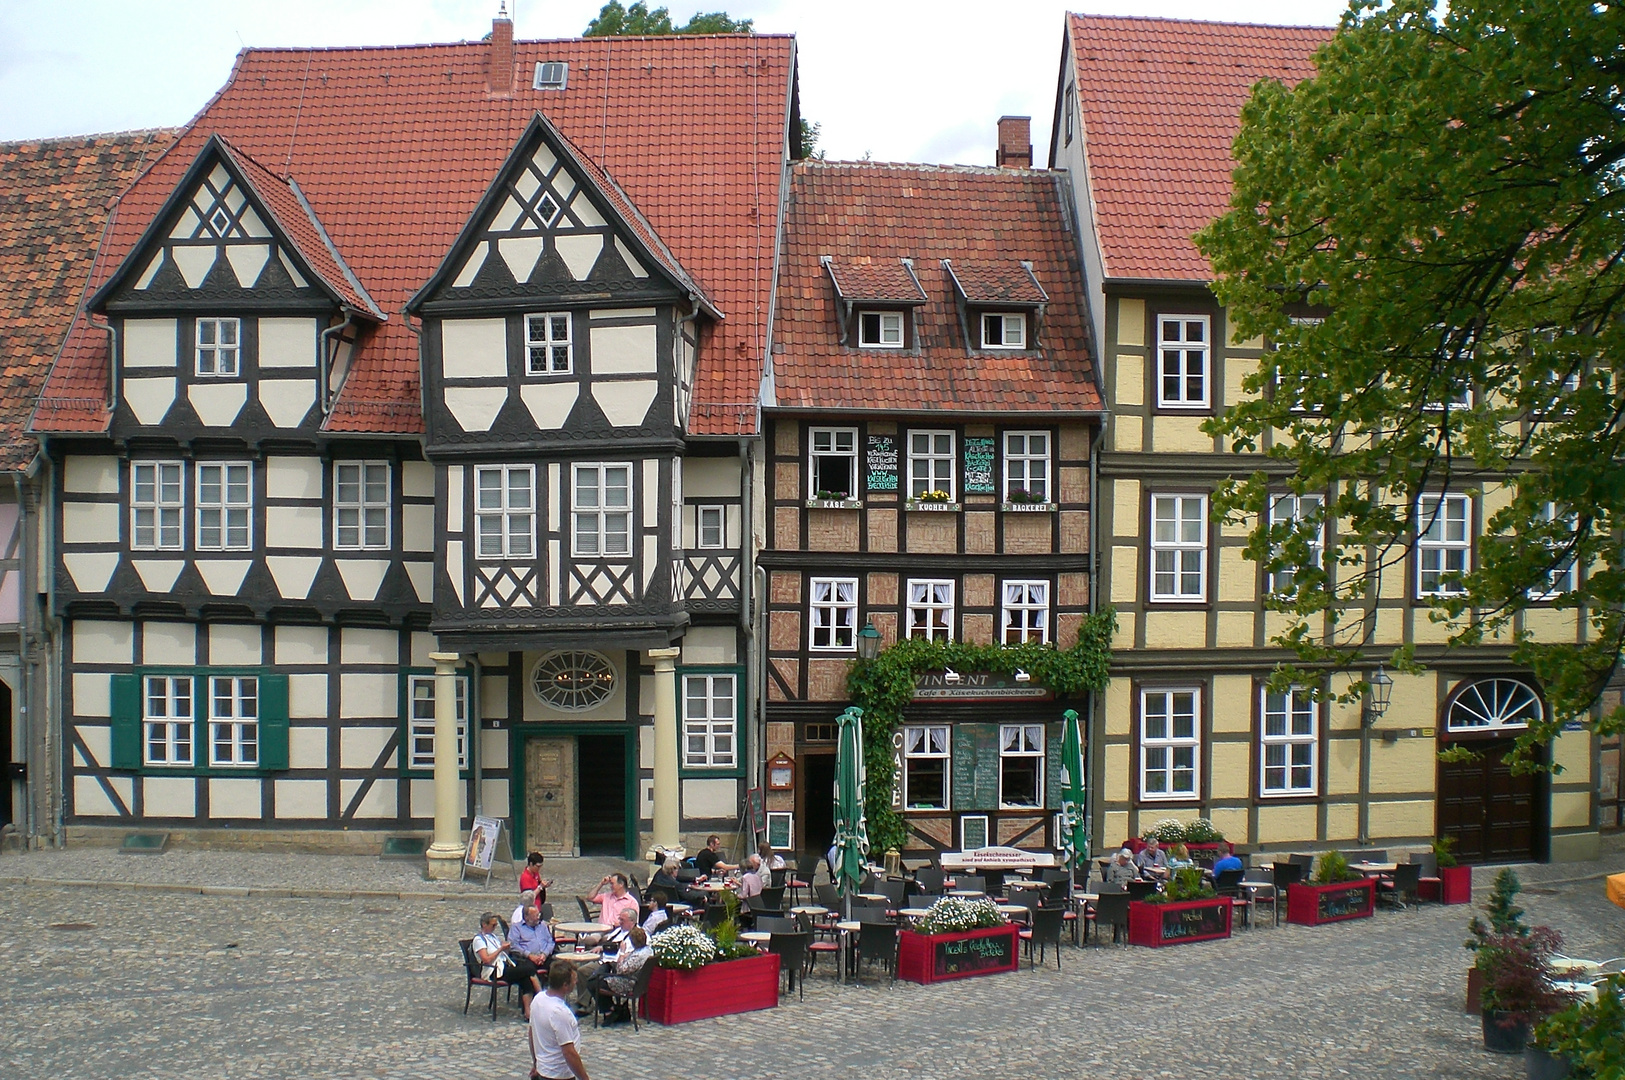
{"points": [[472, 966], [587, 914], [971, 883], [828, 897], [1429, 863], [820, 939], [1101, 887], [1044, 929], [801, 882], [1228, 883], [895, 891], [776, 878], [714, 916], [928, 880], [773, 899], [878, 941], [1305, 861], [1110, 909], [1400, 886], [1139, 890], [870, 883], [687, 875], [547, 911], [792, 950], [633, 998], [776, 924]]}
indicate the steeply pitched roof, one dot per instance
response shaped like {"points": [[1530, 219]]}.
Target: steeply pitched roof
{"points": [[55, 196], [1160, 105], [394, 147], [882, 213]]}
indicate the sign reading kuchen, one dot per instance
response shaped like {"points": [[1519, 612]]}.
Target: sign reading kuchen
{"points": [[880, 462], [975, 684]]}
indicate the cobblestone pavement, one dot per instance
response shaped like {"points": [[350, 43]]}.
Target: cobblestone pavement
{"points": [[184, 985]]}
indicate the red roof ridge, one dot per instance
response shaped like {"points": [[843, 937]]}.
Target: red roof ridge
{"points": [[50, 141], [1081, 16], [483, 43], [946, 167]]}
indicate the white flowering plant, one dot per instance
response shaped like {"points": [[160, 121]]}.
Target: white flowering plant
{"points": [[1166, 831], [955, 915], [684, 948]]}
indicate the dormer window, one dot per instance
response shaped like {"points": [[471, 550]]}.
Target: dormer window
{"points": [[1004, 330], [219, 345], [547, 344], [880, 329]]}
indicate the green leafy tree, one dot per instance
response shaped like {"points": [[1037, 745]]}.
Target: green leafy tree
{"points": [[1431, 232], [617, 20], [809, 140]]}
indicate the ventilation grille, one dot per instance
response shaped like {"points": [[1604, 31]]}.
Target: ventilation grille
{"points": [[551, 76]]}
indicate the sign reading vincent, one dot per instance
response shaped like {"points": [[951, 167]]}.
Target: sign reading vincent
{"points": [[934, 685]]}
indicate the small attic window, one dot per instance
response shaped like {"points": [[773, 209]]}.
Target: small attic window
{"points": [[551, 76], [1004, 330]]}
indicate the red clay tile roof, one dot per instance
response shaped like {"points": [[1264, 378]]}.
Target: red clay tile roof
{"points": [[394, 147], [1160, 104], [875, 280], [861, 210], [1003, 281], [55, 196]]}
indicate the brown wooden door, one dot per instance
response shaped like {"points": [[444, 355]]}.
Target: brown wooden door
{"points": [[550, 796], [1488, 811]]}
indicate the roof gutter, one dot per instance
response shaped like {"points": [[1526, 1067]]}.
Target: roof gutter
{"points": [[329, 350]]}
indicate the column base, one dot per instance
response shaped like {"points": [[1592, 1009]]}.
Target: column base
{"points": [[445, 863]]}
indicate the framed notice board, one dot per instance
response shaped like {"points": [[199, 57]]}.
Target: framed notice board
{"points": [[880, 463], [781, 830], [979, 465]]}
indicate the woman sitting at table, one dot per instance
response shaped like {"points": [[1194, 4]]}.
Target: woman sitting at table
{"points": [[666, 878], [1179, 858], [618, 976]]}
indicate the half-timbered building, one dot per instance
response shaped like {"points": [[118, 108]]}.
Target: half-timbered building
{"points": [[930, 416], [414, 360]]}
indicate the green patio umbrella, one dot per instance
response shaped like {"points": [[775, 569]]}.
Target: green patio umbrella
{"points": [[851, 828], [1074, 827]]}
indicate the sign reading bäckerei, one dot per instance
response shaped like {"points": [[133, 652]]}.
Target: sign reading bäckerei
{"points": [[976, 684]]}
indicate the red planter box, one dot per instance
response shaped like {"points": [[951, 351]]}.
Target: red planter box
{"points": [[1311, 905], [929, 958], [1136, 845], [1156, 925], [1455, 886], [733, 986]]}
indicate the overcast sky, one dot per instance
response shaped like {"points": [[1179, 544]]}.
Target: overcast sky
{"points": [[896, 79]]}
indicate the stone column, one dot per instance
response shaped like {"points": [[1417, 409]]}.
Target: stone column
{"points": [[666, 823], [446, 853]]}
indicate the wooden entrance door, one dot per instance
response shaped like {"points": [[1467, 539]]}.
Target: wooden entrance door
{"points": [[550, 796], [1488, 811]]}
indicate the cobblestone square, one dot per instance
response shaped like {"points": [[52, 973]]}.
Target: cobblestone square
{"points": [[184, 985]]}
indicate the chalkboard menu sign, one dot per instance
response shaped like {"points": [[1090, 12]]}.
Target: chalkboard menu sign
{"points": [[1342, 903], [1192, 922], [973, 956], [979, 465], [880, 461]]}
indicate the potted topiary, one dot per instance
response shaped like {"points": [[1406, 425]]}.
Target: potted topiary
{"points": [[1336, 893], [1518, 990], [1505, 917], [1586, 1039], [1187, 910]]}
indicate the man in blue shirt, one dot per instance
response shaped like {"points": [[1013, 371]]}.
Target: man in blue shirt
{"points": [[1229, 862], [530, 944]]}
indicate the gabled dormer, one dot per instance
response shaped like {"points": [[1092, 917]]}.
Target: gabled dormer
{"points": [[559, 307], [220, 309], [878, 301], [1000, 304]]}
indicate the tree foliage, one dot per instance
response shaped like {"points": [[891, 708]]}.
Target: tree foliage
{"points": [[1430, 231], [618, 20]]}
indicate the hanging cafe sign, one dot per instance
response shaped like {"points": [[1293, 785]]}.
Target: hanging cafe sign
{"points": [[950, 685]]}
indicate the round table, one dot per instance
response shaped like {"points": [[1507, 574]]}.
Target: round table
{"points": [[578, 960], [809, 909], [756, 936], [873, 896], [714, 887], [679, 908], [914, 912], [583, 927], [966, 892]]}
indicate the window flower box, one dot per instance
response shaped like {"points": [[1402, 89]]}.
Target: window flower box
{"points": [[1311, 905], [834, 504], [1179, 923], [1028, 507], [930, 504], [717, 989], [929, 958], [1454, 886]]}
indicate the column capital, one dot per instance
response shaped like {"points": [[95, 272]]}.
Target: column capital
{"points": [[665, 659], [444, 662]]}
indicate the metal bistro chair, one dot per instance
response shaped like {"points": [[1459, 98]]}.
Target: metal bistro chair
{"points": [[1401, 885], [1228, 883], [928, 880], [792, 950], [472, 966], [820, 939], [633, 998], [970, 883], [878, 941], [1110, 909], [773, 898], [1045, 929], [776, 878], [1429, 862]]}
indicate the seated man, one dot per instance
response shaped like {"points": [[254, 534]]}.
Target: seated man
{"points": [[658, 918], [1227, 862], [666, 877], [751, 883], [613, 897], [616, 976], [709, 861], [1121, 870], [491, 953], [526, 898], [530, 942], [1152, 861], [611, 939]]}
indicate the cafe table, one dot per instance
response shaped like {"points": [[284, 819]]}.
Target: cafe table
{"points": [[583, 927], [714, 886], [809, 909], [1371, 868], [914, 912], [1024, 883], [873, 896], [847, 929], [1021, 910], [756, 937], [578, 960], [966, 892]]}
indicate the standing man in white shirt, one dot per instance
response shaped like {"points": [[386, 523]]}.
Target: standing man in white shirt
{"points": [[554, 1033]]}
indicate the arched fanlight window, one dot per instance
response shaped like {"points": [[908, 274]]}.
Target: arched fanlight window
{"points": [[573, 679], [1494, 705]]}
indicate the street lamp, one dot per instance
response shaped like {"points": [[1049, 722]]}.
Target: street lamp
{"points": [[868, 641], [1381, 689]]}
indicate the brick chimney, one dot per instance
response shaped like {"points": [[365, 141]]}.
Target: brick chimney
{"points": [[500, 77], [1015, 142]]}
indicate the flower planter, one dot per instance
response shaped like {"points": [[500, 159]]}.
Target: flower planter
{"points": [[1504, 1038], [1028, 508], [928, 504], [929, 958], [1455, 886], [1539, 1065], [732, 986], [834, 504], [1156, 925], [1311, 905]]}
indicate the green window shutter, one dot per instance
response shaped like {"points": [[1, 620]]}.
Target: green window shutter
{"points": [[273, 722], [126, 713]]}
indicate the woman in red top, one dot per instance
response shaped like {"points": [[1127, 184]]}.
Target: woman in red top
{"points": [[531, 877]]}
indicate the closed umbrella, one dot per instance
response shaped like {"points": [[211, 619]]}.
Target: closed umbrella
{"points": [[851, 828], [1074, 827]]}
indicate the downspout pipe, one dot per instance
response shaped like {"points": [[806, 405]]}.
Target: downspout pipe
{"points": [[329, 349], [475, 719], [23, 698], [747, 611], [53, 662], [112, 362]]}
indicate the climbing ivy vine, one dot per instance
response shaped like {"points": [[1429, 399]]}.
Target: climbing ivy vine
{"points": [[884, 686]]}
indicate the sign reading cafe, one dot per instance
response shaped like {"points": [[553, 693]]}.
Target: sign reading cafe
{"points": [[935, 685]]}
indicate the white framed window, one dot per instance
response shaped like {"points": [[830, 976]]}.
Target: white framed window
{"points": [[420, 722], [1026, 466], [1560, 578], [1444, 544], [973, 832], [601, 511], [1183, 361], [234, 720], [930, 463], [880, 329], [361, 504], [1025, 612], [1292, 510], [157, 505], [1071, 104], [931, 609], [1179, 547], [1004, 330], [505, 511], [925, 766], [832, 465], [1170, 743], [710, 530], [219, 348], [1021, 765], [225, 504], [1289, 758], [710, 721], [547, 344], [167, 720], [833, 612]]}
